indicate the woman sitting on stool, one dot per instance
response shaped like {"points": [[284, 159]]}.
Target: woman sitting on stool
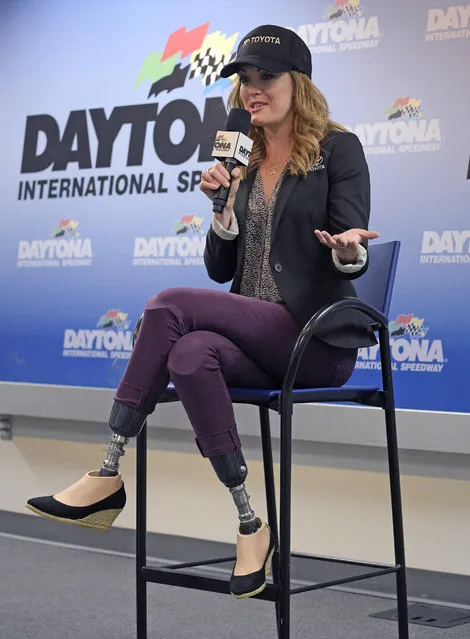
{"points": [[291, 237]]}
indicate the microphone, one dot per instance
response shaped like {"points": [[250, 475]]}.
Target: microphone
{"points": [[232, 147]]}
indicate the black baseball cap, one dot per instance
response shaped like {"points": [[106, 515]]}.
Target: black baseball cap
{"points": [[272, 48]]}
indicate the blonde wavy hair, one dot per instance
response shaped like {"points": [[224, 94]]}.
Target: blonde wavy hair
{"points": [[311, 124]]}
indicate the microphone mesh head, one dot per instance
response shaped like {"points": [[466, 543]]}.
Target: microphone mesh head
{"points": [[238, 120]]}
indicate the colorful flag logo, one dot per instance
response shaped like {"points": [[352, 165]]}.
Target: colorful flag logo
{"points": [[408, 326], [114, 318], [189, 223], [406, 108], [208, 52], [66, 228], [343, 9]]}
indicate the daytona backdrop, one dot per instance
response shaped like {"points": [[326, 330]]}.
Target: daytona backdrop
{"points": [[109, 110]]}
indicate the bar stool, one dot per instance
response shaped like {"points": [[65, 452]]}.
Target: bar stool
{"points": [[374, 290]]}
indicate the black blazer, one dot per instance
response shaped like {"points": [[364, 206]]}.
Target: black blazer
{"points": [[334, 196]]}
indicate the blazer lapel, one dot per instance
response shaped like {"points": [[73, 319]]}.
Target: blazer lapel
{"points": [[241, 210], [241, 199], [284, 193]]}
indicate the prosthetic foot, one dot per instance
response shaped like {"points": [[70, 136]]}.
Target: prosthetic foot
{"points": [[92, 502], [255, 542], [98, 497], [253, 565]]}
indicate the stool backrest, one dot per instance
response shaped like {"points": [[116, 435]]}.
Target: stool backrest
{"points": [[375, 287]]}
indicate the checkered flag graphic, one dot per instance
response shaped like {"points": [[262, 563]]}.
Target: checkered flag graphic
{"points": [[414, 330], [412, 111], [208, 65], [350, 11], [120, 322], [195, 228]]}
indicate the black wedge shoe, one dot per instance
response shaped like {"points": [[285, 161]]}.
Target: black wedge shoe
{"points": [[249, 548], [99, 515]]}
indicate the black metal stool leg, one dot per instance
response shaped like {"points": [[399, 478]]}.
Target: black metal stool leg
{"points": [[395, 489], [141, 532], [397, 519], [285, 517], [270, 493]]}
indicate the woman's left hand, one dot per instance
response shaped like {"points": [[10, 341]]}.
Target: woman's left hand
{"points": [[345, 244]]}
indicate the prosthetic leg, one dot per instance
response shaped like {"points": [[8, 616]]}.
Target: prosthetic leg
{"points": [[96, 499], [255, 542], [125, 422]]}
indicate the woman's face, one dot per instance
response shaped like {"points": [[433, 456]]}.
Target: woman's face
{"points": [[266, 95]]}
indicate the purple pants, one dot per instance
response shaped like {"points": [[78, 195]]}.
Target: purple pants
{"points": [[206, 341]]}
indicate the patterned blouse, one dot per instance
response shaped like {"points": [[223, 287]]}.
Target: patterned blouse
{"points": [[257, 280]]}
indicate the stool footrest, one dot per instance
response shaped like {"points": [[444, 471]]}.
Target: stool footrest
{"points": [[171, 577], [174, 576], [339, 560], [345, 580], [204, 562]]}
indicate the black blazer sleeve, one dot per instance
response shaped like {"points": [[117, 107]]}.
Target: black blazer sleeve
{"points": [[349, 191], [220, 257]]}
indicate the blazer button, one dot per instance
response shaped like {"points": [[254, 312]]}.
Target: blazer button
{"points": [[278, 267]]}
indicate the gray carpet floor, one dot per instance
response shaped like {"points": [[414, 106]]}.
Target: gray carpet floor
{"points": [[55, 592]]}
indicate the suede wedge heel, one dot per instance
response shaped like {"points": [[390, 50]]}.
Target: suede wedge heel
{"points": [[249, 549], [99, 515]]}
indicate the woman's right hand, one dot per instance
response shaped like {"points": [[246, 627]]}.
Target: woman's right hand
{"points": [[217, 175]]}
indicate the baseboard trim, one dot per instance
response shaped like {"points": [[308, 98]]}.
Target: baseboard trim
{"points": [[333, 424], [423, 585]]}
